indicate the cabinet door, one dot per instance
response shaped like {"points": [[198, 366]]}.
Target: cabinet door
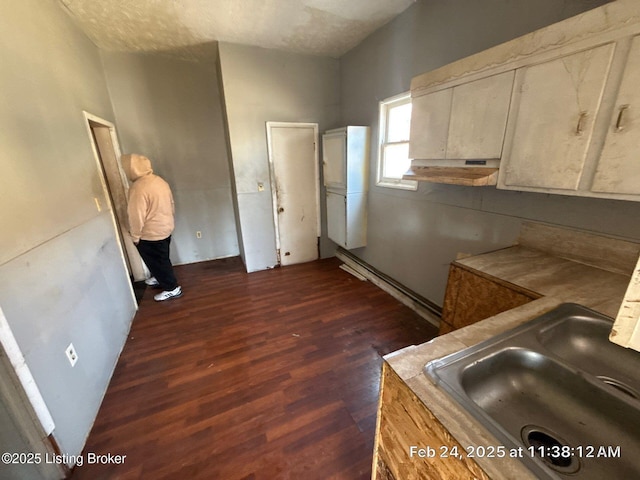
{"points": [[334, 152], [618, 170], [356, 220], [337, 218], [464, 122], [430, 125], [550, 128], [479, 118], [358, 139]]}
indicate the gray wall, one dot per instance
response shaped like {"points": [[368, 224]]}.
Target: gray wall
{"points": [[169, 109], [12, 441], [413, 236], [62, 278], [262, 85]]}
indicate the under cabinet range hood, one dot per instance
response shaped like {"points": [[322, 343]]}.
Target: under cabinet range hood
{"points": [[517, 110], [471, 173], [457, 133]]}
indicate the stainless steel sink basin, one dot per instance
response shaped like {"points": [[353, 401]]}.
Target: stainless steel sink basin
{"points": [[556, 391], [582, 340]]}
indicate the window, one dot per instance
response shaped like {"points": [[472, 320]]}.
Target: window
{"points": [[393, 154]]}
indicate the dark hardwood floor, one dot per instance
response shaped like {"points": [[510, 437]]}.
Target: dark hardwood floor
{"points": [[269, 375]]}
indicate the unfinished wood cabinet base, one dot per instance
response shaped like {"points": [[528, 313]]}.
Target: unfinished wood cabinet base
{"points": [[405, 422], [472, 296]]}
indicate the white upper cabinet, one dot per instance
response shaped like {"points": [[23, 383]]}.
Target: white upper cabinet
{"points": [[466, 122], [568, 95], [346, 178], [552, 120], [345, 159], [334, 158], [618, 169], [430, 125], [478, 118]]}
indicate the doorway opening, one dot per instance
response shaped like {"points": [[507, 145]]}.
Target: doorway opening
{"points": [[293, 162], [106, 150]]}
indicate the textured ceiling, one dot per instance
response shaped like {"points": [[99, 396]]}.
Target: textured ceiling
{"points": [[318, 27]]}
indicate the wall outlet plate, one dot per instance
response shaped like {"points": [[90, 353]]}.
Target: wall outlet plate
{"points": [[71, 354]]}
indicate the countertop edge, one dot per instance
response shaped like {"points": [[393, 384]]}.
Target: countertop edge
{"points": [[408, 364]]}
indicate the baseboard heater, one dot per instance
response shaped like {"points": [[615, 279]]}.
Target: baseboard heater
{"points": [[423, 307]]}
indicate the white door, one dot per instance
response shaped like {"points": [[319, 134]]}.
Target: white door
{"points": [[294, 184]]}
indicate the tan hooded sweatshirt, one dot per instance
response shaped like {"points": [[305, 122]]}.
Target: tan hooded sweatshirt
{"points": [[151, 205]]}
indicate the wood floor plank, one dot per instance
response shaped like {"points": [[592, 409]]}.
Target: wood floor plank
{"points": [[262, 376]]}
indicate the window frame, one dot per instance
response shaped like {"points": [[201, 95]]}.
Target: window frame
{"points": [[384, 107]]}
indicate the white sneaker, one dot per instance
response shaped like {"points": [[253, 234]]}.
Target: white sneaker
{"points": [[151, 282], [167, 294]]}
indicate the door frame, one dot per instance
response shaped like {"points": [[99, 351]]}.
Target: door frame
{"points": [[23, 401], [272, 176], [137, 267]]}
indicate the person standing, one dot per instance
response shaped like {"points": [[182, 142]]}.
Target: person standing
{"points": [[151, 210]]}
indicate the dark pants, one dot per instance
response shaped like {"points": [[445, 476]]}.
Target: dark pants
{"points": [[155, 254]]}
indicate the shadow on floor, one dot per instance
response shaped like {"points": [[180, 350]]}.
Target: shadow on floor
{"points": [[138, 289]]}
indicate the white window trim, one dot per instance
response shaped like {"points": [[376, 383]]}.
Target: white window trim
{"points": [[383, 109]]}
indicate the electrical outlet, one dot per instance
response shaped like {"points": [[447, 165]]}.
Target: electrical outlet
{"points": [[71, 354], [198, 234]]}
